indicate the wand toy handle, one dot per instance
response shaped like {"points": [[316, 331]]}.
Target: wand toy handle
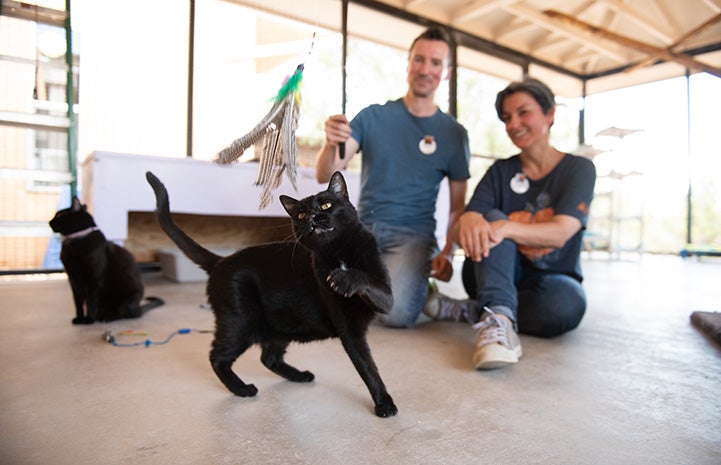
{"points": [[341, 149]]}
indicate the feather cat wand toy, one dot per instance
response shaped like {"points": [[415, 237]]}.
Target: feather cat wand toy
{"points": [[277, 132]]}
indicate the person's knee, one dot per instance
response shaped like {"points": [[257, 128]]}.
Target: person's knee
{"points": [[396, 320], [404, 313], [551, 322], [551, 306]]}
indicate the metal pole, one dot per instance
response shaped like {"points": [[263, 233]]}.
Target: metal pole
{"points": [[70, 99], [582, 118], [344, 55], [453, 82], [689, 220], [191, 65]]}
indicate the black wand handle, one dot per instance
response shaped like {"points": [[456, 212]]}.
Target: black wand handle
{"points": [[341, 148]]}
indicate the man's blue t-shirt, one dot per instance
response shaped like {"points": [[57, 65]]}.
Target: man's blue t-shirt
{"points": [[567, 190], [400, 183]]}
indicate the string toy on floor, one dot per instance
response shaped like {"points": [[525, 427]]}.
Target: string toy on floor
{"points": [[112, 337], [277, 132]]}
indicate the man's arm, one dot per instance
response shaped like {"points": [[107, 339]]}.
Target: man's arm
{"points": [[441, 267], [458, 202]]}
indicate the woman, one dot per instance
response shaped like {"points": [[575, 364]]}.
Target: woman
{"points": [[522, 234]]}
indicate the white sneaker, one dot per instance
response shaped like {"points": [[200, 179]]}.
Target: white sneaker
{"points": [[498, 344], [443, 308]]}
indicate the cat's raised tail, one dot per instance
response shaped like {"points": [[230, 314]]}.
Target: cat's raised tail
{"points": [[203, 257]]}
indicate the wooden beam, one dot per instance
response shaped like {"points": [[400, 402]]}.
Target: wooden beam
{"points": [[678, 42], [633, 15], [665, 54], [615, 53], [476, 9]]}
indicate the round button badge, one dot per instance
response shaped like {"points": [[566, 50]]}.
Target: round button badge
{"points": [[427, 145], [519, 183]]}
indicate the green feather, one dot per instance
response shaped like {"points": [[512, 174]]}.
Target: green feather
{"points": [[291, 84]]}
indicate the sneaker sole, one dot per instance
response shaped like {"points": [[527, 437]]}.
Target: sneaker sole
{"points": [[494, 357], [493, 364]]}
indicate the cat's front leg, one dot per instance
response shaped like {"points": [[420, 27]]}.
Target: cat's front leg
{"points": [[360, 354], [92, 304], [79, 300]]}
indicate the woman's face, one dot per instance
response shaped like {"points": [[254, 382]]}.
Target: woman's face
{"points": [[526, 125]]}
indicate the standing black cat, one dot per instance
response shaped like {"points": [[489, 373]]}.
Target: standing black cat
{"points": [[104, 277], [330, 282]]}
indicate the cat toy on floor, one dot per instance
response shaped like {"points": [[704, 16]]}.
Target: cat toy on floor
{"points": [[112, 337], [277, 131]]}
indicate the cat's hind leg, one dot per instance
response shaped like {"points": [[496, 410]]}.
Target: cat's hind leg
{"points": [[228, 345], [272, 356]]}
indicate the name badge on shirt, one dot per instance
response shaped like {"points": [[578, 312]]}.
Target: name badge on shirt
{"points": [[427, 145], [519, 183]]}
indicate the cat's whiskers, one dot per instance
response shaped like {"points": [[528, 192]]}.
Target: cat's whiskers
{"points": [[290, 238]]}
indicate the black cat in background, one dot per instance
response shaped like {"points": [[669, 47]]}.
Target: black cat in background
{"points": [[104, 277]]}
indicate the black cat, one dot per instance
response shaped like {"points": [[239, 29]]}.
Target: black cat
{"points": [[329, 282], [104, 277]]}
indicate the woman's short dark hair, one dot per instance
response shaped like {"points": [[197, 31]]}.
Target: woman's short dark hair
{"points": [[535, 88]]}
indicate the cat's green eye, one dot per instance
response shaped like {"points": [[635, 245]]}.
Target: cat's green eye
{"points": [[326, 206], [301, 215]]}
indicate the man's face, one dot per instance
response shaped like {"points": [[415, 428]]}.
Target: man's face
{"points": [[427, 66]]}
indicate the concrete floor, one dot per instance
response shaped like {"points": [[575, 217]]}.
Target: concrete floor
{"points": [[634, 384]]}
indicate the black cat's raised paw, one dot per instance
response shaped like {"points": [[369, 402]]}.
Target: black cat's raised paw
{"points": [[341, 282], [386, 410]]}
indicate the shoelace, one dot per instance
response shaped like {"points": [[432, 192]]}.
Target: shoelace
{"points": [[491, 329]]}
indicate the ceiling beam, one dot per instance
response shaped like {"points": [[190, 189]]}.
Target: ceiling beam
{"points": [[33, 12], [678, 42], [715, 5], [615, 53], [665, 36], [594, 31], [476, 9]]}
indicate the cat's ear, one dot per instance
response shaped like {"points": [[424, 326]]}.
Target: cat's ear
{"points": [[289, 203], [337, 184], [77, 206]]}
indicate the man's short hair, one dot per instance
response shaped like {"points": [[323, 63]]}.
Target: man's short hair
{"points": [[435, 33]]}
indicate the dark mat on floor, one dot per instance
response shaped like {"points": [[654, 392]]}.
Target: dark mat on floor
{"points": [[709, 323]]}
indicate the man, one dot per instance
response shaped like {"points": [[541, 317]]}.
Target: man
{"points": [[408, 147]]}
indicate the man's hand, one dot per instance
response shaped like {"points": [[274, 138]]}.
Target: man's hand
{"points": [[337, 129], [441, 267]]}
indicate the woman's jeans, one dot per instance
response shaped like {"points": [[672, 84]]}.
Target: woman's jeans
{"points": [[540, 303], [407, 255]]}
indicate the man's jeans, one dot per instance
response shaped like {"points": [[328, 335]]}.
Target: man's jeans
{"points": [[407, 255], [540, 303]]}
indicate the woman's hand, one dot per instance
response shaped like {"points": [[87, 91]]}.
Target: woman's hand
{"points": [[476, 235]]}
